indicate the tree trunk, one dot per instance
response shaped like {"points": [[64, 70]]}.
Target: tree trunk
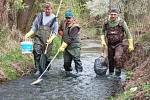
{"points": [[3, 14], [24, 16]]}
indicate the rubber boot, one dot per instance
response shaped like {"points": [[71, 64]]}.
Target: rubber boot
{"points": [[47, 63], [70, 74], [78, 66], [111, 70], [37, 64], [79, 70], [37, 72]]}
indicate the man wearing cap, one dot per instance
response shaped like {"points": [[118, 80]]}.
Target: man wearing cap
{"points": [[69, 30], [114, 31], [45, 29]]}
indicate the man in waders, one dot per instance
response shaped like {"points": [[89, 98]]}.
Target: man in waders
{"points": [[45, 30], [69, 30], [113, 32]]}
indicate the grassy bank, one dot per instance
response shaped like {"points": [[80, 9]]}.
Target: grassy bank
{"points": [[143, 90], [13, 63], [137, 85]]}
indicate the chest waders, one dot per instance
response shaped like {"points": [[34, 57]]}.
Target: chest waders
{"points": [[39, 46], [72, 52], [75, 41], [115, 36]]}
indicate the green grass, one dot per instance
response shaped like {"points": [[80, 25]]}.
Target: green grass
{"points": [[146, 87], [14, 56], [9, 71], [56, 45]]}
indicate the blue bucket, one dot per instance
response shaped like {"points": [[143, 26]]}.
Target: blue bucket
{"points": [[27, 47]]}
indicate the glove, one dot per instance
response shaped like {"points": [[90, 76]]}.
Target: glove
{"points": [[62, 47], [103, 41], [51, 39], [29, 34], [130, 42]]}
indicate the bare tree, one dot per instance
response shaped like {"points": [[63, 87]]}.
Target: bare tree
{"points": [[3, 13], [98, 7]]}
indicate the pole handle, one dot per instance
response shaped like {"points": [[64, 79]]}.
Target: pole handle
{"points": [[104, 51]]}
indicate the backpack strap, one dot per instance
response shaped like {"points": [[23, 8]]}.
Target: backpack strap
{"points": [[41, 21], [41, 17], [52, 22]]}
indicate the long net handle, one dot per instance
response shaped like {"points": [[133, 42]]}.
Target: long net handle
{"points": [[49, 65], [59, 8], [56, 17], [46, 48], [104, 51]]}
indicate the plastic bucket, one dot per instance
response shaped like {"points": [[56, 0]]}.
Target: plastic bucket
{"points": [[26, 47]]}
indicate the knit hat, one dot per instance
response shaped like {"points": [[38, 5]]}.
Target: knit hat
{"points": [[68, 13]]}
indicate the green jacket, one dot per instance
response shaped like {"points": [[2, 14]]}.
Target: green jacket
{"points": [[115, 23]]}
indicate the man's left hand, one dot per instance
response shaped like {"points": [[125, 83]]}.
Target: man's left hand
{"points": [[130, 48], [49, 41]]}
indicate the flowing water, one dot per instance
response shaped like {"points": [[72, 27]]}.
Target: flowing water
{"points": [[56, 86]]}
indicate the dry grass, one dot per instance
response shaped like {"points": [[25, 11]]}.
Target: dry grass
{"points": [[7, 43]]}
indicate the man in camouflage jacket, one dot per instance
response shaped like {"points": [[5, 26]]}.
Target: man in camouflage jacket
{"points": [[114, 31]]}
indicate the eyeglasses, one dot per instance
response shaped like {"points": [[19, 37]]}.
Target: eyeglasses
{"points": [[68, 17]]}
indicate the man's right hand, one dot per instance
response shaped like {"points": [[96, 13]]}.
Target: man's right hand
{"points": [[29, 34]]}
